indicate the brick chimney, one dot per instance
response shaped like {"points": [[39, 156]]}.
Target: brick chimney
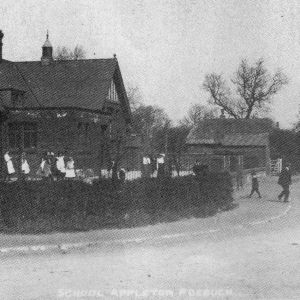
{"points": [[1, 44]]}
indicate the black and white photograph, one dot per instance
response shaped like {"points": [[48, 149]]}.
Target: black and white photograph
{"points": [[149, 149]]}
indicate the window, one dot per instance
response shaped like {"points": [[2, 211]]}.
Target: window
{"points": [[110, 130], [251, 161], [14, 135], [83, 132], [233, 163], [22, 135], [112, 93], [103, 128], [30, 135], [17, 98]]}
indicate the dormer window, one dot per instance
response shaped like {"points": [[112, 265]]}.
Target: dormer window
{"points": [[112, 93]]}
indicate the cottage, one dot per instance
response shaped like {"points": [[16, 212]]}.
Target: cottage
{"points": [[79, 107], [231, 143]]}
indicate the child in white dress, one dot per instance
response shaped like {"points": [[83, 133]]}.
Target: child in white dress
{"points": [[60, 166], [10, 166], [70, 171], [25, 166]]}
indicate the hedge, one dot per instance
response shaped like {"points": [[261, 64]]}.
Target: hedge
{"points": [[43, 206]]}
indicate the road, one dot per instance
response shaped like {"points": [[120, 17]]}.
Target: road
{"points": [[235, 260]]}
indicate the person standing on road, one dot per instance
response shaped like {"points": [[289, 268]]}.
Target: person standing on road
{"points": [[255, 184], [285, 180]]}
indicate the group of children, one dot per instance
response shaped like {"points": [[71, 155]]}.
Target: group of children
{"points": [[51, 167]]}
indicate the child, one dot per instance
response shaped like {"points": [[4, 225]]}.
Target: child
{"points": [[197, 168], [52, 163], [161, 165], [25, 166], [70, 171], [60, 165], [45, 167], [255, 185], [122, 175], [10, 166]]}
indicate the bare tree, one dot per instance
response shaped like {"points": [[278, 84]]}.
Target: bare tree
{"points": [[198, 112], [134, 97], [78, 53], [147, 122], [64, 53], [254, 89]]}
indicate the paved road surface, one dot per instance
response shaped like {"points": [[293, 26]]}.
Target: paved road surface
{"points": [[230, 258]]}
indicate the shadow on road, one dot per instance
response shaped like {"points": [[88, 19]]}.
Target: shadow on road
{"points": [[275, 200], [231, 206]]}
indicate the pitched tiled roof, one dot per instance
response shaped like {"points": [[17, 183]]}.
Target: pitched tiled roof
{"points": [[260, 139], [73, 83], [230, 132], [10, 77]]}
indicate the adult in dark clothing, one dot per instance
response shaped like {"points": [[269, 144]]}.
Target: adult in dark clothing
{"points": [[285, 180], [255, 185], [200, 170], [161, 166], [197, 168], [52, 162]]}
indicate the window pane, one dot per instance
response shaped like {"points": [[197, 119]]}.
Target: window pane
{"points": [[30, 135], [29, 126], [12, 126], [14, 139], [34, 139], [14, 136], [22, 135], [27, 140], [11, 140]]}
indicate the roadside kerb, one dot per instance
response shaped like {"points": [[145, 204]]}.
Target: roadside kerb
{"points": [[64, 247]]}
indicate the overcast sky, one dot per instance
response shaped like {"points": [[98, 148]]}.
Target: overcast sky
{"points": [[166, 47]]}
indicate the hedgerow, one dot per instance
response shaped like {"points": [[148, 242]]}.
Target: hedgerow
{"points": [[43, 206]]}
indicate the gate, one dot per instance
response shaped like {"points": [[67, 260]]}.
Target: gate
{"points": [[276, 166]]}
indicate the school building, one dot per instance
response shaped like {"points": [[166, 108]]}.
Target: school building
{"points": [[79, 107]]}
